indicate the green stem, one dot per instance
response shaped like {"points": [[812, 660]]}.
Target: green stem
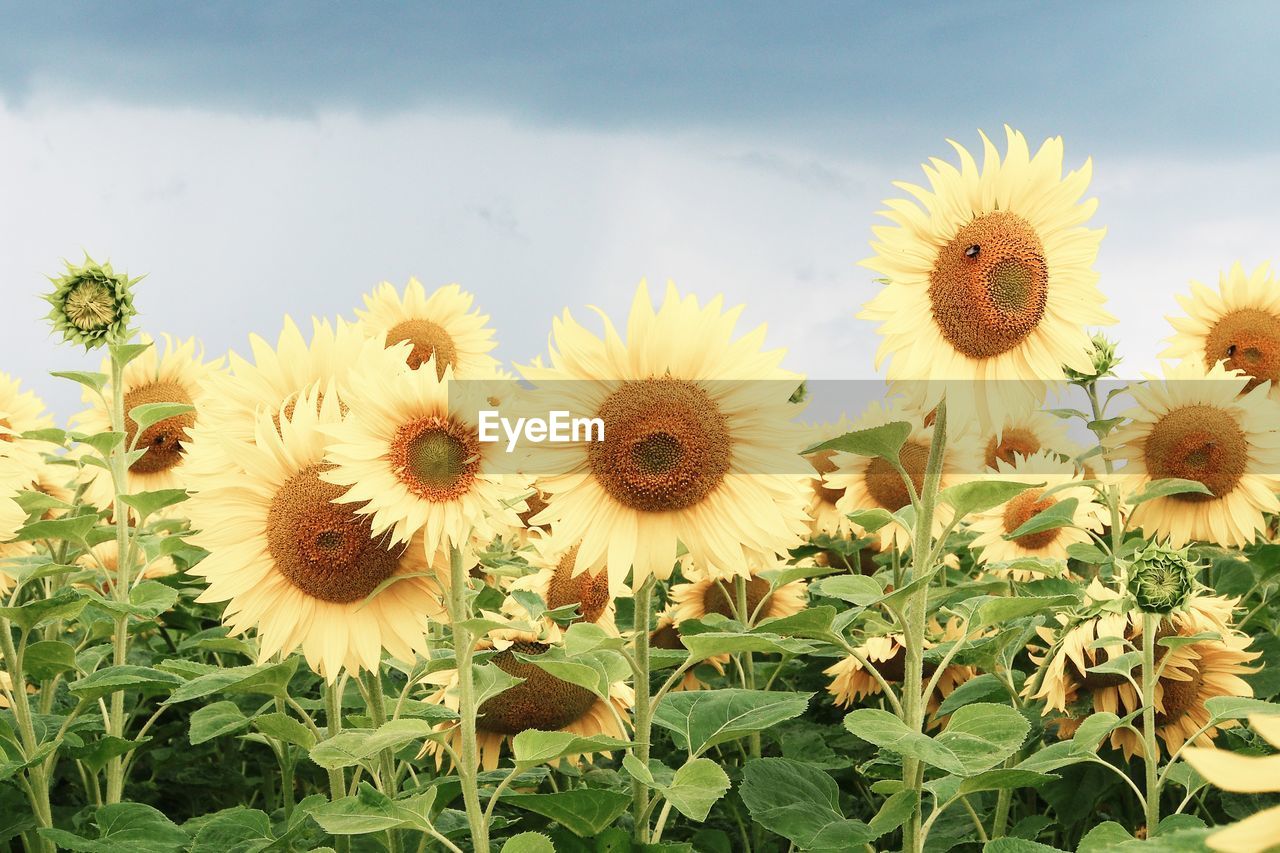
{"points": [[643, 710], [120, 589], [387, 757], [464, 643], [337, 777], [38, 787], [1150, 755]]}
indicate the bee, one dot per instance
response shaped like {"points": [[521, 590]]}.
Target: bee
{"points": [[972, 251]]}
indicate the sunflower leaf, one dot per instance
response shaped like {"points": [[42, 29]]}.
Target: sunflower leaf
{"points": [[583, 811], [1168, 487], [150, 414], [982, 495], [702, 719], [1060, 514], [884, 441]]}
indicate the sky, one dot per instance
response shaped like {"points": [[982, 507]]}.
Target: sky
{"points": [[258, 160]]}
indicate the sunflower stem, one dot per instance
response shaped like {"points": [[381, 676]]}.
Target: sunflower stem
{"points": [[38, 787], [120, 589], [464, 643], [337, 777], [748, 659], [914, 621], [386, 758], [1150, 757], [643, 710]]}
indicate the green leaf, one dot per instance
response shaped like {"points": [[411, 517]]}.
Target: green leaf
{"points": [[104, 443], [149, 414], [1052, 757], [1060, 514], [583, 811], [532, 746], [705, 645], [134, 827], [91, 380], [798, 802], [146, 601], [996, 780], [125, 353], [1118, 665], [692, 790], [147, 503], [1089, 735], [235, 830], [368, 811], [1018, 845], [1168, 487], [981, 688], [885, 730], [282, 727], [981, 495], [66, 604], [104, 682], [267, 679], [812, 622], [95, 754], [871, 520], [883, 441], [72, 528], [355, 745], [528, 842], [1238, 707], [984, 734], [702, 719], [490, 680], [855, 589], [581, 638], [47, 658], [997, 611], [211, 721]]}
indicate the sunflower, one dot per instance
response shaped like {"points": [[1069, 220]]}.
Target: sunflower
{"points": [[105, 557], [1025, 435], [999, 260], [556, 584], [825, 517], [1244, 774], [410, 456], [441, 326], [1198, 426], [705, 595], [13, 474], [20, 411], [666, 635], [541, 701], [176, 375], [698, 448], [1238, 326], [998, 522], [871, 483], [302, 568]]}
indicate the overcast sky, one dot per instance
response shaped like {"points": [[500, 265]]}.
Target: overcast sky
{"points": [[260, 159]]}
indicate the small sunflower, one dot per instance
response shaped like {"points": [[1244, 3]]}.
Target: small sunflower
{"points": [[825, 516], [1026, 435], [176, 375], [92, 304], [1239, 325], [995, 524], [705, 595], [409, 455], [556, 584], [105, 557], [301, 567], [1199, 426], [440, 327], [1244, 774], [541, 701], [666, 635], [1000, 264], [698, 449]]}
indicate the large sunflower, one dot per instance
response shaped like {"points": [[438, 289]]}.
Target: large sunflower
{"points": [[300, 567], [410, 456], [176, 375], [698, 445], [989, 280], [998, 522], [1238, 326], [441, 326], [1203, 427]]}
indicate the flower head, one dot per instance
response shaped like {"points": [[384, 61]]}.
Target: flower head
{"points": [[92, 303]]}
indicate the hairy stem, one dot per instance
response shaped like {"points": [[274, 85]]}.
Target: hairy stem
{"points": [[464, 644], [643, 709], [1150, 755]]}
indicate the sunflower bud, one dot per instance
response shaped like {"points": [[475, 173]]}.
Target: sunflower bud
{"points": [[1160, 578], [92, 304], [1103, 355]]}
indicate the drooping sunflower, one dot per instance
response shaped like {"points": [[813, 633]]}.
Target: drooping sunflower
{"points": [[698, 444], [824, 515], [1244, 774], [999, 261], [300, 567], [1199, 426], [704, 595], [1026, 434], [541, 702], [998, 522], [441, 326], [409, 456], [555, 582], [872, 483], [1239, 325], [176, 375], [666, 635]]}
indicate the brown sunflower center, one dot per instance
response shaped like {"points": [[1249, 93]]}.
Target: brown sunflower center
{"points": [[1199, 442], [717, 598], [1021, 509], [1102, 680], [1012, 443], [541, 701], [885, 484], [322, 548], [428, 339], [590, 592], [989, 285], [163, 440], [666, 446], [666, 637], [1179, 697], [1248, 340], [823, 463], [536, 503], [436, 458]]}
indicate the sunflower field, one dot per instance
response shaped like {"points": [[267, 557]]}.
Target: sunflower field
{"points": [[310, 597]]}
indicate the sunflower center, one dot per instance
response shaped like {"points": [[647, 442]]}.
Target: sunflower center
{"points": [[823, 463], [1202, 443], [590, 592], [666, 637], [1021, 509], [536, 503], [1247, 340], [1179, 697], [428, 339], [89, 305], [436, 458], [1101, 680], [717, 598], [6, 430], [885, 485], [322, 548], [541, 701], [1011, 444], [667, 445], [989, 285], [162, 440]]}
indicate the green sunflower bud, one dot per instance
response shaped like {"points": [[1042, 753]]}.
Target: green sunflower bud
{"points": [[1161, 578], [92, 304], [1103, 355]]}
